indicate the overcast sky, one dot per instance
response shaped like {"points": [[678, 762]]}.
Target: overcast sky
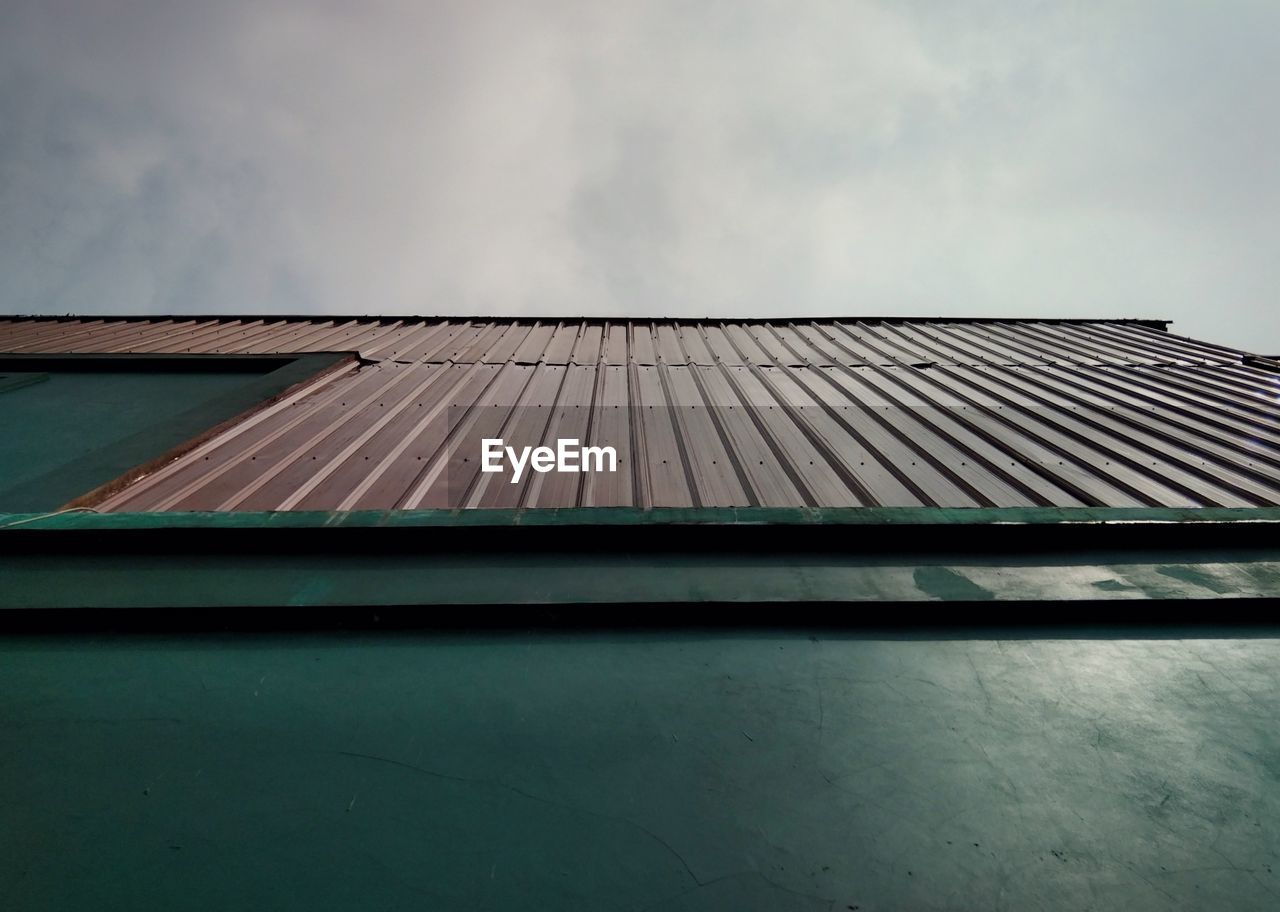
{"points": [[736, 158]]}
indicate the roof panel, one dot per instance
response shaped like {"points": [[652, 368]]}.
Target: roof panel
{"points": [[662, 478], [527, 425], [666, 341], [825, 412], [721, 347], [615, 345], [748, 350], [695, 347], [560, 348], [185, 341], [587, 349], [569, 418], [611, 427], [836, 422], [799, 348], [775, 348], [759, 455], [533, 348], [436, 345], [505, 347], [452, 471], [405, 461], [716, 479]]}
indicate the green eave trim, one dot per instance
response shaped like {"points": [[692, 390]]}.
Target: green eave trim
{"points": [[632, 516], [304, 581], [616, 557]]}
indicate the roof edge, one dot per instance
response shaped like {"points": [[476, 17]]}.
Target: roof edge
{"points": [[87, 520], [1152, 323]]}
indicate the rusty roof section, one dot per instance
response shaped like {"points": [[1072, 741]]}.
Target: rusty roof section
{"points": [[822, 412]]}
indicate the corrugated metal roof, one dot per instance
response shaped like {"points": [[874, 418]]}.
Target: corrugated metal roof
{"points": [[721, 413]]}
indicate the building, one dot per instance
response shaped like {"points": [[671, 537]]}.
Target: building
{"points": [[843, 484]]}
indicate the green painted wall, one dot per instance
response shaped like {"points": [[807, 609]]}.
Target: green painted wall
{"points": [[51, 425], [803, 772]]}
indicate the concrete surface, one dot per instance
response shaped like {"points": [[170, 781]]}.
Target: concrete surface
{"points": [[639, 771]]}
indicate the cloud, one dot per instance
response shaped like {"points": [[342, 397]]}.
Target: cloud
{"points": [[707, 158]]}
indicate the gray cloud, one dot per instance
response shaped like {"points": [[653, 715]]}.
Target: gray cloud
{"points": [[751, 157]]}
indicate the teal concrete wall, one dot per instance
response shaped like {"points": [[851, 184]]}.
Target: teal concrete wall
{"points": [[53, 424], [742, 771]]}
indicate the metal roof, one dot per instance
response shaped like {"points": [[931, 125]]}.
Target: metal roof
{"points": [[710, 413]]}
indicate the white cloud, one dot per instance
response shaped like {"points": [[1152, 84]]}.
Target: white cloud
{"points": [[716, 158]]}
